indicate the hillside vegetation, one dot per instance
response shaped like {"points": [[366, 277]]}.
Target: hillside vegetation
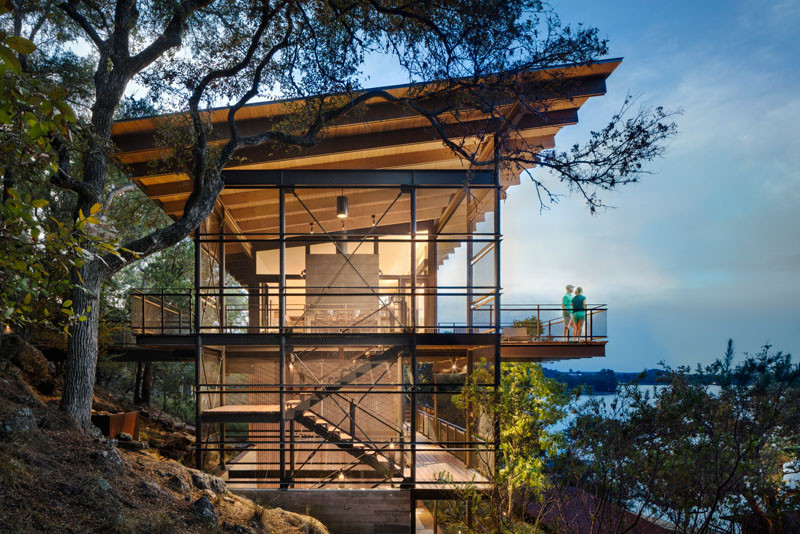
{"points": [[54, 478]]}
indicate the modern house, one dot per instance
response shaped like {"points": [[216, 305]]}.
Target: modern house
{"points": [[342, 293]]}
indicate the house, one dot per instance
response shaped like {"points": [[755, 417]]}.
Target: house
{"points": [[338, 290]]}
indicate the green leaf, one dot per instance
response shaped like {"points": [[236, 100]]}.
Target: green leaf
{"points": [[95, 208], [21, 45], [27, 298], [40, 203], [92, 220], [64, 108], [82, 318], [66, 304], [10, 59]]}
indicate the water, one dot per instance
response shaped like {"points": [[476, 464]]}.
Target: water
{"points": [[791, 477]]}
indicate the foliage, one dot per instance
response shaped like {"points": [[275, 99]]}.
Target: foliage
{"points": [[37, 251], [701, 459], [526, 407], [533, 324]]}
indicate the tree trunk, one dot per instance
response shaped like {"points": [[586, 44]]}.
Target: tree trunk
{"points": [[81, 366], [137, 384], [147, 382]]}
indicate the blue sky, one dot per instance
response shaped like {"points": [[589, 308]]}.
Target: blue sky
{"points": [[708, 248]]}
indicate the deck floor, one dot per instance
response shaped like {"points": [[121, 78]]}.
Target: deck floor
{"points": [[432, 460]]}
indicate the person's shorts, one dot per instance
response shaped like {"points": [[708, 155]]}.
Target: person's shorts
{"points": [[579, 316], [567, 316]]}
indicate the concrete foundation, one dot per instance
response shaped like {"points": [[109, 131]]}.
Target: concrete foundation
{"points": [[344, 511]]}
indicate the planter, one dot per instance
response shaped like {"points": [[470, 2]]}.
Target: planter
{"points": [[113, 424]]}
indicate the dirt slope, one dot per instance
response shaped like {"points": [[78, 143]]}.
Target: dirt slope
{"points": [[54, 478]]}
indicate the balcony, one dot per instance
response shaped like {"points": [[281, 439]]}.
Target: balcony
{"points": [[529, 331]]}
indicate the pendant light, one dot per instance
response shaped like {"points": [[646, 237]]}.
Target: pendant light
{"points": [[341, 206]]}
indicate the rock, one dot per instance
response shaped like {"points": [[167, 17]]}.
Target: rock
{"points": [[132, 445], [205, 509], [95, 433], [124, 436], [204, 481], [217, 485], [68, 489], [279, 520], [176, 483], [237, 529], [20, 422], [30, 361], [110, 457], [175, 446], [199, 480], [151, 489], [103, 485]]}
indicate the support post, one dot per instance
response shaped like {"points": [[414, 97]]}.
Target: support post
{"points": [[435, 424], [468, 414], [291, 449], [198, 352], [223, 313], [282, 324], [414, 370], [497, 287], [352, 420]]}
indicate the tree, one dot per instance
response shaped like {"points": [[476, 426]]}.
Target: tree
{"points": [[190, 53], [37, 251], [533, 325], [700, 459], [525, 408]]}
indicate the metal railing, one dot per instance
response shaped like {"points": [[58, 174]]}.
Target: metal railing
{"points": [[162, 311], [524, 323], [463, 445], [245, 310]]}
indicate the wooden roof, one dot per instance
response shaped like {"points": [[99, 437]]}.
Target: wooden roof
{"points": [[382, 136]]}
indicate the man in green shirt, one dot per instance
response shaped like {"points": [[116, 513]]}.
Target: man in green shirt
{"points": [[566, 310]]}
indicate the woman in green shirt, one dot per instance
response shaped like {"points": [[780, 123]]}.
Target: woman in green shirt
{"points": [[566, 310], [578, 312]]}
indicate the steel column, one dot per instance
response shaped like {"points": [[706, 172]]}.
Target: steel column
{"points": [[414, 370], [497, 265], [198, 350], [282, 324]]}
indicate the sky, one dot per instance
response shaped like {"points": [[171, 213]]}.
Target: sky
{"points": [[707, 248]]}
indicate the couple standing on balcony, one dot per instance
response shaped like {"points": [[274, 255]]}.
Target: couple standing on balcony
{"points": [[573, 309]]}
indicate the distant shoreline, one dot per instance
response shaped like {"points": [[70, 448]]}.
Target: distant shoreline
{"points": [[607, 380]]}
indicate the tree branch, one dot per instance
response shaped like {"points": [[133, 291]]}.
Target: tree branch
{"points": [[71, 9]]}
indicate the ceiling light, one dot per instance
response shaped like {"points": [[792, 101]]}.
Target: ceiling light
{"points": [[341, 207]]}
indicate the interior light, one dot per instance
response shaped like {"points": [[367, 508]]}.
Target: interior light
{"points": [[311, 227], [341, 207]]}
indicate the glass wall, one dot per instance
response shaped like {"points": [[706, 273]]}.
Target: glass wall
{"points": [[380, 301], [351, 259]]}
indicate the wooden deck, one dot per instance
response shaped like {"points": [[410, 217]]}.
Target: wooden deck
{"points": [[432, 461], [435, 462]]}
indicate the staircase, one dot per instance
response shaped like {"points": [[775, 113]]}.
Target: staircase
{"points": [[360, 451], [301, 411], [347, 376]]}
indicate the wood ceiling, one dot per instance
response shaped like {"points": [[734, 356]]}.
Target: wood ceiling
{"points": [[383, 136]]}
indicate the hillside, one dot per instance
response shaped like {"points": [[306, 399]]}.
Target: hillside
{"points": [[55, 478]]}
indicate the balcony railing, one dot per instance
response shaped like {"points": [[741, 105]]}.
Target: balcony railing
{"points": [[241, 311]]}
